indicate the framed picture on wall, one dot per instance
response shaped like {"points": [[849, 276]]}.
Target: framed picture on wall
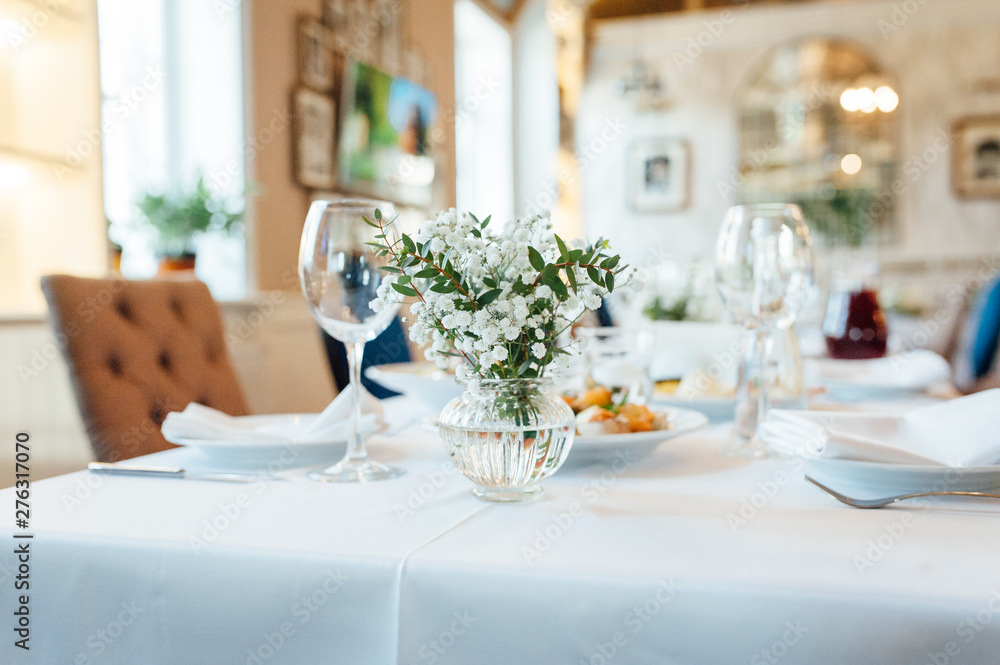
{"points": [[314, 153], [384, 149], [658, 173], [975, 167], [315, 55]]}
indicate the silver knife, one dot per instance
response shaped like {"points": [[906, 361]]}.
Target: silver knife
{"points": [[174, 472]]}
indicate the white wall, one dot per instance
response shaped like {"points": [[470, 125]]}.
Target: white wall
{"points": [[939, 52]]}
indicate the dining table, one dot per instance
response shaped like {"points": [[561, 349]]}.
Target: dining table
{"points": [[685, 555]]}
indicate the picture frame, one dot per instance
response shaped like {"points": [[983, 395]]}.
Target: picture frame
{"points": [[314, 122], [384, 130], [658, 175], [316, 62], [975, 166]]}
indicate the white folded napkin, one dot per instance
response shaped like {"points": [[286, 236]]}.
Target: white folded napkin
{"points": [[913, 370], [959, 433], [201, 422]]}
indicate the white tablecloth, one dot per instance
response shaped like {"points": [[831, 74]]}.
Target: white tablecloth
{"points": [[684, 557]]}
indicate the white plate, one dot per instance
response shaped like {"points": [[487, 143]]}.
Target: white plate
{"points": [[421, 380], [718, 409], [604, 449], [876, 479], [264, 452], [895, 375]]}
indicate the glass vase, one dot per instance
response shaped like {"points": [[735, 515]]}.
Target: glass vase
{"points": [[507, 435]]}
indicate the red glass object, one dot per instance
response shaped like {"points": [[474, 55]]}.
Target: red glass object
{"points": [[855, 326]]}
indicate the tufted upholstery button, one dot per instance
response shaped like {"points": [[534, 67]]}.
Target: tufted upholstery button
{"points": [[175, 307], [157, 415], [115, 365], [203, 400], [164, 360], [124, 309]]}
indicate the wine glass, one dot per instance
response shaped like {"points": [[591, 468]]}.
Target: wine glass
{"points": [[763, 272], [340, 274]]}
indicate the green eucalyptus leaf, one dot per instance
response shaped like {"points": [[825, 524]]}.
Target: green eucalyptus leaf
{"points": [[536, 260], [563, 250], [489, 297], [408, 244], [405, 290]]}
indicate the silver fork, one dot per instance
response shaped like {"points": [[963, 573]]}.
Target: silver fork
{"points": [[881, 503]]}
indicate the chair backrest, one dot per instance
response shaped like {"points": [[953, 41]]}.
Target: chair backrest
{"points": [[136, 351], [388, 347], [976, 353]]}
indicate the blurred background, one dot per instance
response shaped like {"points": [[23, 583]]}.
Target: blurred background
{"points": [[153, 137]]}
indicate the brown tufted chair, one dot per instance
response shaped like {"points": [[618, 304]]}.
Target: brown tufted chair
{"points": [[136, 351]]}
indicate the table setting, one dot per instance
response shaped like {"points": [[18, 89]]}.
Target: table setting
{"points": [[533, 495]]}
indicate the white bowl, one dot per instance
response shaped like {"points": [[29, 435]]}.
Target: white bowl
{"points": [[421, 380]]}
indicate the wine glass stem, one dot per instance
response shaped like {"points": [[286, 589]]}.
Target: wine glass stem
{"points": [[762, 340], [752, 400], [356, 453]]}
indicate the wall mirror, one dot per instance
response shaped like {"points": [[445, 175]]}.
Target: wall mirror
{"points": [[818, 127]]}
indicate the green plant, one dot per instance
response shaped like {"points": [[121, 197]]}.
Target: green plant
{"points": [[180, 216]]}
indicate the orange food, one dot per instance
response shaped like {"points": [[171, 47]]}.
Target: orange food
{"points": [[638, 417], [597, 396]]}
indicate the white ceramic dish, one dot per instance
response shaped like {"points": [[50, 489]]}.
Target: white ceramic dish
{"points": [[718, 409], [604, 449], [243, 453], [876, 479], [898, 375], [423, 381]]}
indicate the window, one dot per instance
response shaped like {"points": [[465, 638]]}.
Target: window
{"points": [[484, 134], [172, 108]]}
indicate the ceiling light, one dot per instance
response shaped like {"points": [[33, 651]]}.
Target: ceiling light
{"points": [[886, 99], [850, 164]]}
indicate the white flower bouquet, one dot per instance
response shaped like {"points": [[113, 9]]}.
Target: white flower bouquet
{"points": [[499, 301]]}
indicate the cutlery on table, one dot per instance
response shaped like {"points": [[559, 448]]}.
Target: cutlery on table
{"points": [[885, 501], [175, 472]]}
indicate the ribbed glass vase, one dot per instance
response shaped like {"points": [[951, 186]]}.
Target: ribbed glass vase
{"points": [[506, 436]]}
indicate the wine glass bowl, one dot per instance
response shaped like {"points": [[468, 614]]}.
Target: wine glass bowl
{"points": [[340, 275], [763, 264]]}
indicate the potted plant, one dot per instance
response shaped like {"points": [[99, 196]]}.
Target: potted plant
{"points": [[178, 218]]}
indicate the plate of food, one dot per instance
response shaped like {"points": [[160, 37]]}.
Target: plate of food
{"points": [[698, 391], [605, 429]]}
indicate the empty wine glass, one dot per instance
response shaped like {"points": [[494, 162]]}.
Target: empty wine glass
{"points": [[340, 274], [763, 272]]}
